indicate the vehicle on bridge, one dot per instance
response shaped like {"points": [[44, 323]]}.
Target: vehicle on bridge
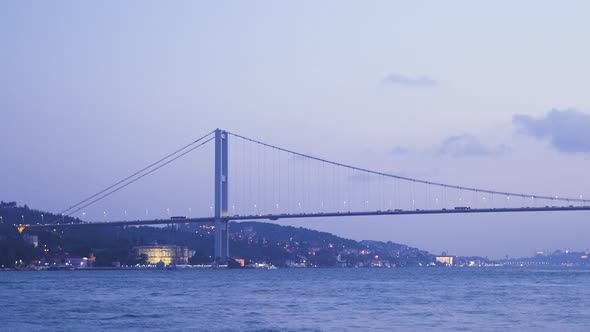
{"points": [[462, 208]]}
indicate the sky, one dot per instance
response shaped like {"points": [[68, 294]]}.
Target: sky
{"points": [[490, 95]]}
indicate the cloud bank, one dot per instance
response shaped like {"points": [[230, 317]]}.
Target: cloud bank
{"points": [[468, 146], [457, 146], [567, 130], [399, 151], [401, 80]]}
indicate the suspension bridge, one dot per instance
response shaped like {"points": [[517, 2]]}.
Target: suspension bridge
{"points": [[271, 182]]}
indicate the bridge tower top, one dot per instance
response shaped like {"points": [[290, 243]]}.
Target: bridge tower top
{"points": [[221, 173]]}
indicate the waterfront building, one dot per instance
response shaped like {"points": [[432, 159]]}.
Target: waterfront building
{"points": [[168, 254], [447, 260], [240, 261], [78, 262], [68, 262]]}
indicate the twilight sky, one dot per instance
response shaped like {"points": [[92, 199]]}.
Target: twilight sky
{"points": [[487, 95]]}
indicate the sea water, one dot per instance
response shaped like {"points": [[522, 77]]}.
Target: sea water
{"points": [[397, 299]]}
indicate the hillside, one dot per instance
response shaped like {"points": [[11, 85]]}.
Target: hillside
{"points": [[256, 242]]}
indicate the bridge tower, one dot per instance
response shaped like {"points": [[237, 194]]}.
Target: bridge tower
{"points": [[221, 179]]}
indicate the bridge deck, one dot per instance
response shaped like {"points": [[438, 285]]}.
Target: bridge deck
{"points": [[309, 215]]}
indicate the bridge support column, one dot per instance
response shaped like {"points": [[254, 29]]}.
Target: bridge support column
{"points": [[221, 179]]}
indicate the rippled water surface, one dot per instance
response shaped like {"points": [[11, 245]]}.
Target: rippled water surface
{"points": [[419, 299]]}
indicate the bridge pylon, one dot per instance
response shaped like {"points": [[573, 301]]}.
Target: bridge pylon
{"points": [[221, 251]]}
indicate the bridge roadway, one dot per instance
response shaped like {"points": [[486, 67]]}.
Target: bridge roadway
{"points": [[308, 215]]}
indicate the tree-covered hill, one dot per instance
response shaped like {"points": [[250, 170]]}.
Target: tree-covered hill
{"points": [[256, 242]]}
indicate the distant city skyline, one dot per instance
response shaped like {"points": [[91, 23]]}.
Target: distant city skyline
{"points": [[490, 96]]}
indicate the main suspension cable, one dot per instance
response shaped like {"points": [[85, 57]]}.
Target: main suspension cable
{"points": [[140, 177], [413, 180], [68, 210]]}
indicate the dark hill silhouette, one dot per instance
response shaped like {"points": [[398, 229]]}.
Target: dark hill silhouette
{"points": [[252, 241]]}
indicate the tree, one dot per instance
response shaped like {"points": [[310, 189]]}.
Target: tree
{"points": [[323, 258], [199, 258]]}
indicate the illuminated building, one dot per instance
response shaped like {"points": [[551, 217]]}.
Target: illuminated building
{"points": [[240, 261], [67, 261], [448, 260], [78, 262], [168, 254]]}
